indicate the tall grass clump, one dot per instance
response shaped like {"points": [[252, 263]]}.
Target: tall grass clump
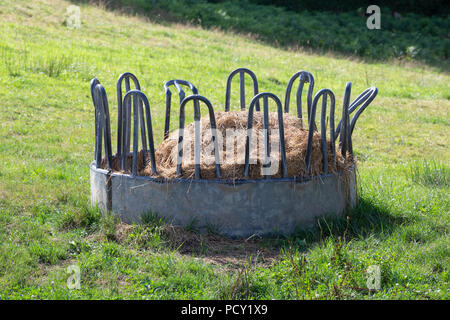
{"points": [[430, 173], [15, 61], [53, 65]]}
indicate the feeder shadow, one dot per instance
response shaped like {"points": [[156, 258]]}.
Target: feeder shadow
{"points": [[365, 220], [220, 250]]}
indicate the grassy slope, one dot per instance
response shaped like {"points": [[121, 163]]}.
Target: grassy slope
{"points": [[412, 37], [46, 144]]}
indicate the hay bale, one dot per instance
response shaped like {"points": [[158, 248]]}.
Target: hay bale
{"points": [[296, 140]]}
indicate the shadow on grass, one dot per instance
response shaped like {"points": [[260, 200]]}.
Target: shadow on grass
{"points": [[365, 220], [220, 250]]}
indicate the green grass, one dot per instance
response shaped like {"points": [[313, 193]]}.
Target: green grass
{"points": [[46, 144]]}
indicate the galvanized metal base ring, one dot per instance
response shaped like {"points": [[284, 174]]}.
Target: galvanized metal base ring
{"points": [[236, 209]]}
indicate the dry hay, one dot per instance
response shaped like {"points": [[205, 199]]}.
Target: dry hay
{"points": [[296, 140]]}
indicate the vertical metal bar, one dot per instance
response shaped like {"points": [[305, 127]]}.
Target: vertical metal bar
{"points": [[150, 135], [197, 144], [358, 101], [142, 124], [365, 98], [93, 83], [281, 134], [180, 90], [124, 127], [249, 135], [304, 77], [299, 101], [228, 92], [128, 118], [311, 130], [323, 129], [350, 144], [242, 89], [180, 139], [343, 139], [135, 134], [106, 125], [266, 163], [181, 93], [125, 110], [372, 93], [332, 140], [309, 97], [139, 99], [98, 143], [255, 89], [323, 133], [103, 126], [167, 120], [265, 96], [197, 134]]}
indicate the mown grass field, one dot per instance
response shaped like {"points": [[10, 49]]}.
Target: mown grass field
{"points": [[46, 144], [411, 37]]}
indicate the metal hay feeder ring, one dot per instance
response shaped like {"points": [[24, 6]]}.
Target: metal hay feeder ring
{"points": [[235, 208]]}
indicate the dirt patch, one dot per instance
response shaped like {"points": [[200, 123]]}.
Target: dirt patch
{"points": [[219, 250], [122, 231], [211, 248]]}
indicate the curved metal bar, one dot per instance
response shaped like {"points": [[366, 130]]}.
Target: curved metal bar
{"points": [[138, 98], [181, 94], [365, 98], [344, 132], [242, 72], [304, 77], [93, 83], [103, 125], [123, 119], [322, 92], [197, 146], [373, 91], [265, 96]]}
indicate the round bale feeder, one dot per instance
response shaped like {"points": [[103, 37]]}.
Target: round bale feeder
{"points": [[287, 185]]}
